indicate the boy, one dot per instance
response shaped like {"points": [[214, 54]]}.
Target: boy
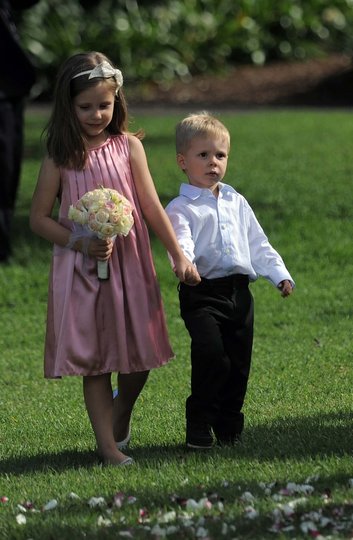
{"points": [[219, 232]]}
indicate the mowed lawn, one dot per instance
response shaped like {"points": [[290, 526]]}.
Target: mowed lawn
{"points": [[291, 477]]}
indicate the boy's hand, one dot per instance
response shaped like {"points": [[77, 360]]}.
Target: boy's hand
{"points": [[285, 287], [186, 272], [191, 276]]}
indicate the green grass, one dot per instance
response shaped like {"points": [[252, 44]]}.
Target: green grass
{"points": [[295, 169]]}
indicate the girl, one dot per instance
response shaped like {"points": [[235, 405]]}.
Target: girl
{"points": [[98, 327]]}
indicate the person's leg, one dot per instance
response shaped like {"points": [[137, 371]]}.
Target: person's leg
{"points": [[7, 142], [238, 339], [210, 365], [97, 391], [129, 388], [18, 111], [203, 312], [209, 368]]}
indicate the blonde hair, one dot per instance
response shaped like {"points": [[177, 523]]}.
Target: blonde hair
{"points": [[201, 124]]}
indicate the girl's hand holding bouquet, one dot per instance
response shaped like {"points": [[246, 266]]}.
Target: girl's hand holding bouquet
{"points": [[102, 213]]}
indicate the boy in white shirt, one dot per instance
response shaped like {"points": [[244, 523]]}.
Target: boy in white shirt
{"points": [[220, 234]]}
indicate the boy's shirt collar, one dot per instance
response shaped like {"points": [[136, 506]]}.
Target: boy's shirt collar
{"points": [[194, 192]]}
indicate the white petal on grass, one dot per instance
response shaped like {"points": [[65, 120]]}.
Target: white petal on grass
{"points": [[293, 488], [96, 501], [119, 499], [158, 531], [201, 533], [251, 513], [21, 519], [168, 517], [104, 522], [50, 505], [172, 529], [247, 496], [308, 527], [224, 529], [220, 506]]}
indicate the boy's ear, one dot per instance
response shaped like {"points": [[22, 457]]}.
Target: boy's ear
{"points": [[181, 161]]}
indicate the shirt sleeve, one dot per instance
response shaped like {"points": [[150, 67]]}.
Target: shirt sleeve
{"points": [[182, 229], [265, 260]]}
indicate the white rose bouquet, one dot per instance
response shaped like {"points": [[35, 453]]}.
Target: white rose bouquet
{"points": [[103, 213]]}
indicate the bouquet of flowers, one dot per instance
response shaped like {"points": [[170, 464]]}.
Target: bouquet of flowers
{"points": [[103, 213]]}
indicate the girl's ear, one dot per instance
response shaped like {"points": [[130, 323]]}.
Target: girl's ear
{"points": [[181, 161]]}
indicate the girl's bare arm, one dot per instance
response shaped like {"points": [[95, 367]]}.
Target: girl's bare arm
{"points": [[42, 223], [155, 214]]}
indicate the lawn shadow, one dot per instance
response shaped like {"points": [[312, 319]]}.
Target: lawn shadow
{"points": [[311, 436], [42, 462], [314, 437]]}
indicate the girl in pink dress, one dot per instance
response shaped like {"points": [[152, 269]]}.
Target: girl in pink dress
{"points": [[98, 327]]}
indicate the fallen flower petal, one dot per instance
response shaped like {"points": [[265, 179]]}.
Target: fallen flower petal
{"points": [[73, 495], [220, 506], [158, 531], [224, 530], [247, 496], [118, 499], [251, 513], [103, 522], [50, 505], [21, 519], [4, 499], [191, 504], [292, 487], [143, 515], [28, 505], [168, 517], [172, 529], [96, 501], [308, 527], [201, 532]]}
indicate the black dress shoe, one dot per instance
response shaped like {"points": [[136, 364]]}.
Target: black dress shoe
{"points": [[198, 435]]}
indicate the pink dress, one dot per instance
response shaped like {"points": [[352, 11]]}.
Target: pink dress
{"points": [[117, 325]]}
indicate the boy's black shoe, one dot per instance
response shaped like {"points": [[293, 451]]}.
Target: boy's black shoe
{"points": [[227, 439], [198, 435], [228, 430]]}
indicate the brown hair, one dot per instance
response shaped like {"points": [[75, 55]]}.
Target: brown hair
{"points": [[64, 139], [199, 124]]}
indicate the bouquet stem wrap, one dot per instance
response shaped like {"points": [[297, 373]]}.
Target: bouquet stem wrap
{"points": [[102, 270], [102, 213]]}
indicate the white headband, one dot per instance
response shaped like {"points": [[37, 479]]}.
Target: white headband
{"points": [[104, 71]]}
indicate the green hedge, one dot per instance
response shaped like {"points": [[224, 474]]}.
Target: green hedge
{"points": [[158, 41]]}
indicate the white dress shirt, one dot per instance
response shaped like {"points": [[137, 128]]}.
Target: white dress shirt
{"points": [[222, 236]]}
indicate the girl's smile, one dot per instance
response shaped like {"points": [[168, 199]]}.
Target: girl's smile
{"points": [[94, 110]]}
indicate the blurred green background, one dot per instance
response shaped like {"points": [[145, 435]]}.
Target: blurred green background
{"points": [[163, 41]]}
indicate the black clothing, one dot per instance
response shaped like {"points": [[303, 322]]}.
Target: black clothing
{"points": [[16, 79], [218, 313]]}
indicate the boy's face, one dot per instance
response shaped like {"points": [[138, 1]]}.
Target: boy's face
{"points": [[205, 161]]}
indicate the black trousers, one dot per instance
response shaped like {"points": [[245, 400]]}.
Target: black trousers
{"points": [[11, 143], [218, 314]]}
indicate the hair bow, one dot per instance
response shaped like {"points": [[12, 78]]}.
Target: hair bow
{"points": [[104, 71]]}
